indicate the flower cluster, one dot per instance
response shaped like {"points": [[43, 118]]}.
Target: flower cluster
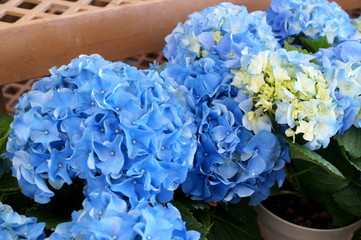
{"points": [[288, 86], [346, 51], [119, 128], [313, 19], [342, 67], [94, 117], [15, 226], [209, 122], [230, 162], [226, 31], [206, 79], [106, 216]]}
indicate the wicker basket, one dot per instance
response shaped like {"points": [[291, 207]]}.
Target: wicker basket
{"points": [[38, 34]]}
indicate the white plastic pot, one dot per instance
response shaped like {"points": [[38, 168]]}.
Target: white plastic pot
{"points": [[273, 227]]}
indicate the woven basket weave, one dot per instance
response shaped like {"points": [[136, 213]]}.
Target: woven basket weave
{"points": [[38, 34]]}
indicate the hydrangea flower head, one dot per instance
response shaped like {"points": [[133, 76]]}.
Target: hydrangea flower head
{"points": [[224, 167], [106, 216], [312, 19], [342, 67], [345, 51], [289, 87], [95, 117], [205, 79], [225, 30], [234, 163], [16, 226], [201, 53]]}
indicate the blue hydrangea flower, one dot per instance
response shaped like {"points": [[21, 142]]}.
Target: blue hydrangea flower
{"points": [[231, 162], [287, 88], [106, 216], [95, 117], [16, 226], [312, 19], [206, 79], [226, 31], [224, 169], [342, 67], [345, 51], [201, 53]]}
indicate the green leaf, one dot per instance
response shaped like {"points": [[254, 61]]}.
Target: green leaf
{"points": [[357, 181], [298, 151], [289, 47], [191, 204], [349, 199], [5, 121], [351, 142], [337, 156], [356, 163], [234, 222], [205, 219], [339, 216], [317, 179], [324, 187], [8, 181], [191, 222], [339, 196], [313, 45]]}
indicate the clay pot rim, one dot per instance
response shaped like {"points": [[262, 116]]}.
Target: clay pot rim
{"points": [[352, 225]]}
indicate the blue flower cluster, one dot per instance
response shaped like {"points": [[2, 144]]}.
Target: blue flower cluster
{"points": [[226, 31], [287, 88], [345, 51], [205, 79], [15, 226], [230, 162], [94, 117], [342, 67], [106, 216], [202, 122], [123, 130], [312, 19]]}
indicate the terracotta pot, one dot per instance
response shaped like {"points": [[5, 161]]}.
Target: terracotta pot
{"points": [[273, 227]]}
